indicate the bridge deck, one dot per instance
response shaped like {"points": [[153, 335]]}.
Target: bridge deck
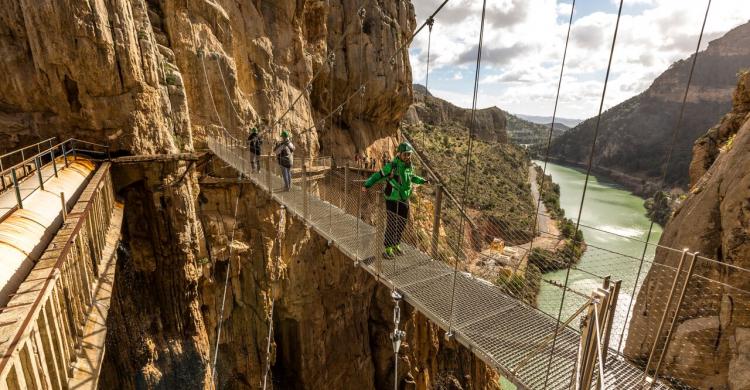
{"points": [[498, 328]]}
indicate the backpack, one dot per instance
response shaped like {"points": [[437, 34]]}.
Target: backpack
{"points": [[254, 144], [285, 155]]}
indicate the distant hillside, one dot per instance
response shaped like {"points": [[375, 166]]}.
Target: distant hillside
{"points": [[500, 190], [427, 109], [559, 126], [523, 132], [636, 134], [546, 120]]}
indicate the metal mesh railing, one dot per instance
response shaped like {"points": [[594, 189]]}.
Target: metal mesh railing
{"points": [[485, 292]]}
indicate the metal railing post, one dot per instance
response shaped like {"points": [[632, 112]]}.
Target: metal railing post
{"points": [[65, 155], [109, 157], [268, 173], [2, 175], [346, 185], [64, 206], [73, 149], [54, 163], [23, 163], [356, 229], [664, 316], [38, 165], [436, 220], [690, 270], [614, 294], [15, 185], [305, 192]]}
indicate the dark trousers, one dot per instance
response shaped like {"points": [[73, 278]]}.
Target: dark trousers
{"points": [[396, 216]]}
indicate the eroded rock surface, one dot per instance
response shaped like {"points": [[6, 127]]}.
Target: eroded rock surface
{"points": [[710, 343]]}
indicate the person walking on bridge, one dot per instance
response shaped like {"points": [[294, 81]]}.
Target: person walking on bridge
{"points": [[254, 144], [284, 152], [399, 176]]}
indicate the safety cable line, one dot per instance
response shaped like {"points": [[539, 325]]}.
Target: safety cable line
{"points": [[429, 44], [552, 125], [268, 346], [226, 282], [277, 259], [667, 162], [208, 88], [585, 186], [330, 60], [467, 177], [391, 59]]}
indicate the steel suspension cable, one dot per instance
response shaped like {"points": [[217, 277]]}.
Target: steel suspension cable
{"points": [[467, 174], [277, 259], [552, 126], [226, 282], [391, 59], [585, 187], [430, 22], [665, 169]]}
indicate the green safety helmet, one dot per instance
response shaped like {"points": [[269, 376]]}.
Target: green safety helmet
{"points": [[255, 130], [284, 134], [404, 147]]}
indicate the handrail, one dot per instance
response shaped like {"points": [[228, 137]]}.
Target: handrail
{"points": [[47, 151], [48, 140], [84, 214]]}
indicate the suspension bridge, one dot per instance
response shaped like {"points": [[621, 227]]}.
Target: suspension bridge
{"points": [[60, 224]]}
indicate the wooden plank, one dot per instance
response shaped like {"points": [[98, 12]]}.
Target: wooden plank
{"points": [[36, 372], [51, 350], [91, 355]]}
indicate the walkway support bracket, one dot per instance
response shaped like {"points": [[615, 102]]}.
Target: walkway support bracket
{"points": [[596, 327]]}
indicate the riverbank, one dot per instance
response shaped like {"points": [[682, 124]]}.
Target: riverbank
{"points": [[612, 218]]}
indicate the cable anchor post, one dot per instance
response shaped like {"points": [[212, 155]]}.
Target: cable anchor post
{"points": [[397, 336]]}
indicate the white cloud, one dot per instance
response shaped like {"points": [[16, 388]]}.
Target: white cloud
{"points": [[524, 41]]}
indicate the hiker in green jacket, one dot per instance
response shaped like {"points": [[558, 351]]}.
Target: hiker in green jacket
{"points": [[399, 176]]}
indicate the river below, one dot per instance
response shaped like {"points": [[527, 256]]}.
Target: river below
{"points": [[615, 226]]}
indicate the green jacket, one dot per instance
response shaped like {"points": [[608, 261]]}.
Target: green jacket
{"points": [[399, 176]]}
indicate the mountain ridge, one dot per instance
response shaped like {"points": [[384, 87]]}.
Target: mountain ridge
{"points": [[636, 135]]}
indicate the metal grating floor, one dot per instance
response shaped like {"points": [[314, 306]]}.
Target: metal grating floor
{"points": [[499, 329]]}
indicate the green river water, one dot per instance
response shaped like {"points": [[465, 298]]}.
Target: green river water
{"points": [[621, 217]]}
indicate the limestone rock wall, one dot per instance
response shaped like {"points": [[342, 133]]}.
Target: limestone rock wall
{"points": [[157, 76], [710, 345]]}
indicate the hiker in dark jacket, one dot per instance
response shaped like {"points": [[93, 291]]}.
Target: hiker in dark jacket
{"points": [[254, 144], [284, 152], [399, 176]]}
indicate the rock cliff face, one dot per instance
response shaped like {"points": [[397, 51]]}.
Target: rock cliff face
{"points": [[710, 346], [157, 76], [636, 134]]}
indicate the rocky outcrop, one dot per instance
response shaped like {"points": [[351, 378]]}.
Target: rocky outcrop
{"points": [[489, 123], [636, 135], [709, 348], [708, 146]]}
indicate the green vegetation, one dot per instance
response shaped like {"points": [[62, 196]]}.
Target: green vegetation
{"points": [[498, 186], [171, 79], [659, 207], [525, 288], [549, 192]]}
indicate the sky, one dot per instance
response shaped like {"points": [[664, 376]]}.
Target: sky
{"points": [[524, 42]]}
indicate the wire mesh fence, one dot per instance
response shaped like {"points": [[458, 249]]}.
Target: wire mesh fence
{"points": [[480, 279]]}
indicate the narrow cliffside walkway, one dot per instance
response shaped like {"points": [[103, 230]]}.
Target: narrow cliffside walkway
{"points": [[504, 332]]}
